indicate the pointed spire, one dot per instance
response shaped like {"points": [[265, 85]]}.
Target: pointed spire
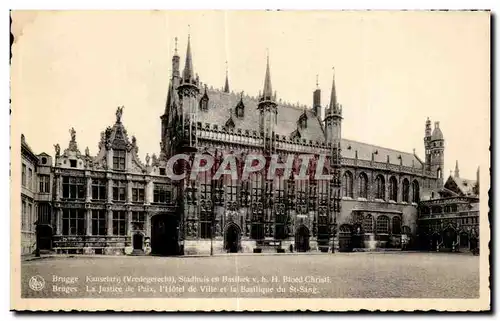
{"points": [[457, 172], [226, 85], [188, 74], [333, 97], [175, 48], [268, 89]]}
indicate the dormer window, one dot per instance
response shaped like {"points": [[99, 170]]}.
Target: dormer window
{"points": [[72, 163], [303, 120], [240, 108], [204, 101]]}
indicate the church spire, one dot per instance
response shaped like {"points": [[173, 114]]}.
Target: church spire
{"points": [[188, 74], [267, 94], [457, 172], [226, 85], [333, 97]]}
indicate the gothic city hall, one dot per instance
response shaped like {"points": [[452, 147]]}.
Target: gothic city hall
{"points": [[373, 198]]}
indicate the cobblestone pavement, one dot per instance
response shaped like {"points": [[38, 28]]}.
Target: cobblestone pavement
{"points": [[341, 275]]}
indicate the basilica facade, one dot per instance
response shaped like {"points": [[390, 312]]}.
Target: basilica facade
{"points": [[116, 203]]}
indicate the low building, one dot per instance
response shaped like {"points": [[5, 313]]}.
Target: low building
{"points": [[449, 217]]}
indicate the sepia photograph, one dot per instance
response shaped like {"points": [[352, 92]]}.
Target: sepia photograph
{"points": [[253, 157]]}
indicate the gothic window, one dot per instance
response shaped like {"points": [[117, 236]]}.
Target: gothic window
{"points": [[30, 178], [98, 189], [119, 159], [363, 185], [256, 179], [73, 222], [240, 110], [368, 223], [439, 173], [73, 187], [303, 121], [231, 189], [393, 189], [380, 184], [301, 190], [204, 101], [99, 222], [119, 191], [347, 185], [416, 192], [24, 223], [406, 190], [162, 193], [396, 225], [245, 193], [44, 183], [323, 192], [138, 192], [206, 217], [119, 223], [382, 224]]}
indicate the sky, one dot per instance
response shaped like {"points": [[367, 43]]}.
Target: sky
{"points": [[392, 71]]}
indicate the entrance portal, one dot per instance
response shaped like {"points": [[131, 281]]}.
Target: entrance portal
{"points": [[435, 240], [44, 235], [449, 238], [302, 239], [137, 241], [232, 238], [164, 235]]}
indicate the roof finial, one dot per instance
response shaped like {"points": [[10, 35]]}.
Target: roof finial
{"points": [[226, 85], [457, 171], [175, 50], [317, 81]]}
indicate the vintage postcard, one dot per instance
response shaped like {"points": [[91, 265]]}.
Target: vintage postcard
{"points": [[250, 160]]}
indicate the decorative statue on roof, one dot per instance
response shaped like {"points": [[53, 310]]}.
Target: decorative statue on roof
{"points": [[119, 113], [87, 152], [155, 160], [72, 132], [58, 149], [147, 159]]}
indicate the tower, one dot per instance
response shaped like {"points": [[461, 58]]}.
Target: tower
{"points": [[333, 132], [457, 171], [317, 100], [427, 144], [268, 112], [188, 91], [435, 150]]}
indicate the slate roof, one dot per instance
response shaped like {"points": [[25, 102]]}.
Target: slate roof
{"points": [[219, 110], [466, 186]]}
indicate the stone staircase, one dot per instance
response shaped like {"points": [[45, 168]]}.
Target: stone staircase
{"points": [[137, 252]]}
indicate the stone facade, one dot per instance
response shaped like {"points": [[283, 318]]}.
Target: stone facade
{"points": [[115, 203]]}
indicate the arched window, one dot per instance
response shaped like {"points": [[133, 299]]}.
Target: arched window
{"points": [[439, 173], [347, 184], [380, 183], [396, 225], [416, 192], [368, 224], [382, 224], [406, 190], [393, 189], [363, 185]]}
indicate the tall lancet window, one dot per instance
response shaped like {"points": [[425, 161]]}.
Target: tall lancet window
{"points": [[363, 185], [347, 185], [380, 184], [393, 189]]}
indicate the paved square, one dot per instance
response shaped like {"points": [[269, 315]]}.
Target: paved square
{"points": [[341, 275]]}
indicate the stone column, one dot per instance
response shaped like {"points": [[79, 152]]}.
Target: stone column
{"points": [[88, 221], [109, 183], [88, 192], [129, 191], [110, 222], [57, 186], [147, 224], [59, 221], [109, 158], [148, 191]]}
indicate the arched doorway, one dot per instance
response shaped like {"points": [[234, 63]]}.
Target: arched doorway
{"points": [[137, 241], [449, 238], [44, 237], [464, 240], [164, 235], [232, 238], [302, 239]]}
